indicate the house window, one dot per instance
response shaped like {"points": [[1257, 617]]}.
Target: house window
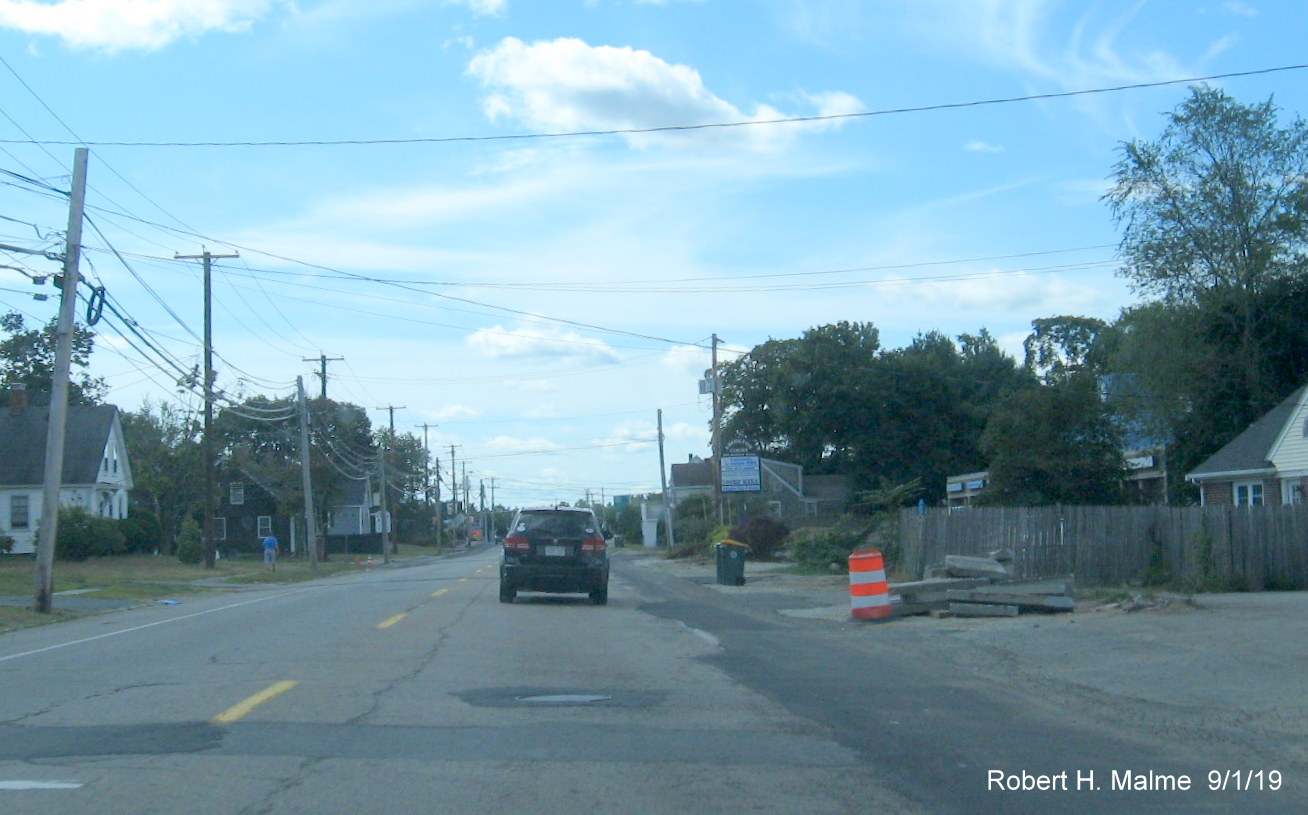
{"points": [[1249, 494], [265, 526], [236, 494], [18, 512], [220, 529], [1292, 492]]}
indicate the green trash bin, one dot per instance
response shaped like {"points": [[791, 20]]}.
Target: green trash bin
{"points": [[731, 562]]}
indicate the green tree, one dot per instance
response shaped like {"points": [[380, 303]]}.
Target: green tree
{"points": [[167, 465], [801, 398], [833, 401], [1051, 444], [1214, 215], [27, 357], [1215, 227], [1060, 348]]}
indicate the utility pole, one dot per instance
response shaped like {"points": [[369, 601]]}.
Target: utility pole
{"points": [[485, 527], [426, 482], [663, 480], [58, 416], [387, 541], [716, 385], [454, 482], [385, 510], [322, 360], [310, 523], [210, 545]]}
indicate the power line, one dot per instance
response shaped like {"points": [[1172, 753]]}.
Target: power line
{"points": [[672, 128]]}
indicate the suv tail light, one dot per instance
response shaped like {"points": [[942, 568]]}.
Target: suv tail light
{"points": [[593, 545], [517, 543]]}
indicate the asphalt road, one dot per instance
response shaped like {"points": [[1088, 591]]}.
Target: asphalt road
{"points": [[414, 690]]}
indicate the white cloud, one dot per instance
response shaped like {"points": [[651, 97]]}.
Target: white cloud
{"points": [[545, 411], [567, 85], [116, 25], [1242, 9], [450, 413], [490, 8], [1033, 37], [507, 445], [686, 359], [978, 146], [539, 341]]}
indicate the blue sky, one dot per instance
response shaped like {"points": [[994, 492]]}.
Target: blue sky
{"points": [[540, 298]]}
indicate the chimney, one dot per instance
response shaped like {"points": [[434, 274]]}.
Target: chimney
{"points": [[17, 398]]}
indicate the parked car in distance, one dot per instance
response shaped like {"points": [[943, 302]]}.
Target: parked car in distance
{"points": [[555, 549]]}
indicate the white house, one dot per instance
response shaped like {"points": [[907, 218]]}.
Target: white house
{"points": [[97, 475]]}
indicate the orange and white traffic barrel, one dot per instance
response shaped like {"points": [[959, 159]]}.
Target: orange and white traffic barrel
{"points": [[869, 592]]}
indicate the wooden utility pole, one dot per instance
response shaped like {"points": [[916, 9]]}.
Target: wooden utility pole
{"points": [[310, 523], [59, 385], [210, 545], [716, 384], [454, 483], [322, 360], [387, 540], [663, 480], [427, 489]]}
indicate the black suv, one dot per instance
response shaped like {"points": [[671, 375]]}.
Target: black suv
{"points": [[555, 550]]}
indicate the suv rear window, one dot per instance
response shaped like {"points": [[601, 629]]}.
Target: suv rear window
{"points": [[556, 524]]}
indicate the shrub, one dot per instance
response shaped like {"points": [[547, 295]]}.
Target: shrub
{"points": [[190, 543], [82, 535], [6, 544], [763, 533], [142, 531], [829, 549]]}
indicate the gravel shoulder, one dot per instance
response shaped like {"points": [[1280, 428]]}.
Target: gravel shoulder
{"points": [[1212, 668]]}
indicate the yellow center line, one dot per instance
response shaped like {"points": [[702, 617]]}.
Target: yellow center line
{"points": [[463, 580], [392, 621], [236, 712], [439, 593]]}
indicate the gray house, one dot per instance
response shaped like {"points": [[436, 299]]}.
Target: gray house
{"points": [[97, 475], [1265, 464], [789, 493]]}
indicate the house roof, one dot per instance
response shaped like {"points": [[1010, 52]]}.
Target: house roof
{"points": [[23, 438], [1250, 451]]}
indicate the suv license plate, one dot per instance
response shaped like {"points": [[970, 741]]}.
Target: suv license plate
{"points": [[556, 551]]}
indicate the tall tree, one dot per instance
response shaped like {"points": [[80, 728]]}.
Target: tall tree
{"points": [[801, 397], [833, 401], [1215, 227], [167, 468], [27, 356], [1060, 348], [1215, 214], [1054, 443]]}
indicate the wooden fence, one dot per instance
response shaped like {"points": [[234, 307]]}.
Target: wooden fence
{"points": [[1237, 547]]}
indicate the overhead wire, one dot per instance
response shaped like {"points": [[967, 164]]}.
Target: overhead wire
{"points": [[680, 128]]}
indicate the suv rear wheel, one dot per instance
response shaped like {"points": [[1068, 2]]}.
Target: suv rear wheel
{"points": [[507, 594], [600, 596]]}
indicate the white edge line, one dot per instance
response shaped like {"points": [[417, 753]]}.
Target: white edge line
{"points": [[155, 623], [40, 785]]}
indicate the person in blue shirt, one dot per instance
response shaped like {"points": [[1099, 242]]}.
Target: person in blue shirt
{"points": [[270, 552]]}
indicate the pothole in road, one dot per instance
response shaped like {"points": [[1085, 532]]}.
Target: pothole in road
{"points": [[559, 697], [565, 698]]}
